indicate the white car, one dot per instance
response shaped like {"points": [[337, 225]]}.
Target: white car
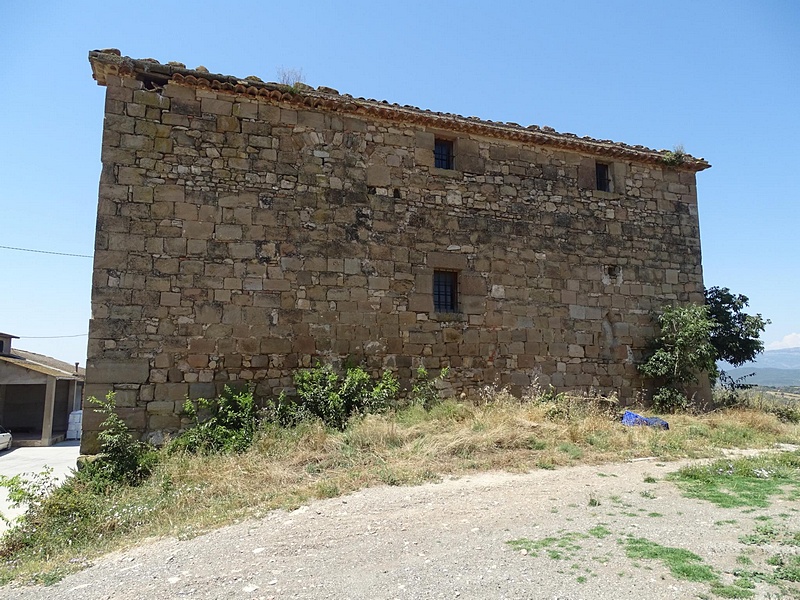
{"points": [[5, 439]]}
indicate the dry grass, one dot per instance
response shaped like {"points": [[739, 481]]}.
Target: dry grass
{"points": [[288, 467]]}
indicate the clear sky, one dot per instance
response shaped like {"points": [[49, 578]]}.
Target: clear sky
{"points": [[721, 78]]}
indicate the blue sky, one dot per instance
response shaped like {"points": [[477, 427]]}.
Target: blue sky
{"points": [[720, 78]]}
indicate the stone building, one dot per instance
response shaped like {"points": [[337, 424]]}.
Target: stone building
{"points": [[246, 229]]}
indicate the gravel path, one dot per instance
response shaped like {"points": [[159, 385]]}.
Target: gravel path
{"points": [[443, 540]]}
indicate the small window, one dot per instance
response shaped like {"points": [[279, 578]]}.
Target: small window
{"points": [[443, 154], [445, 291], [603, 177]]}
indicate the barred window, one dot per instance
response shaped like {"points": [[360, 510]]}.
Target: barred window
{"points": [[603, 177], [445, 291], [443, 154]]}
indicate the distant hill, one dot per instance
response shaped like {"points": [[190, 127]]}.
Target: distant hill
{"points": [[776, 368]]}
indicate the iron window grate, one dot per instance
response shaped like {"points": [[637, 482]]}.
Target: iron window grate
{"points": [[443, 154], [603, 177], [445, 291]]}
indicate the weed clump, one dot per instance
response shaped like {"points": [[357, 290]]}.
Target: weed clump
{"points": [[225, 424], [425, 391], [122, 459], [324, 394], [74, 513]]}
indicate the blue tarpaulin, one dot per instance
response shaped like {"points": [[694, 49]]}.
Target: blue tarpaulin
{"points": [[632, 419]]}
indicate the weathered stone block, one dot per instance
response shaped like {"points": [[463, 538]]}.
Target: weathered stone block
{"points": [[216, 106], [379, 175], [130, 370], [174, 392], [446, 261], [420, 303]]}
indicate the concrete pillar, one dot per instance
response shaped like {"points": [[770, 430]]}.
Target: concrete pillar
{"points": [[49, 407]]}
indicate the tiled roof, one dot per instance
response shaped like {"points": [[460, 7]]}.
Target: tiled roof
{"points": [[110, 62], [43, 364]]}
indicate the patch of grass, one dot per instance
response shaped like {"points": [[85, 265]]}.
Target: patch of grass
{"points": [[599, 531], [561, 547], [647, 494], [771, 534], [557, 548], [654, 514], [730, 591], [787, 567], [681, 563], [571, 450], [650, 479], [742, 482]]}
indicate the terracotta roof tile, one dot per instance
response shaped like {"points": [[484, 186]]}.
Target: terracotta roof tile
{"points": [[111, 62]]}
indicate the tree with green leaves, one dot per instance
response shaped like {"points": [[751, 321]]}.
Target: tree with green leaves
{"points": [[693, 338], [682, 351], [735, 335]]}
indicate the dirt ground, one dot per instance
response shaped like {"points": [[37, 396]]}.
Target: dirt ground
{"points": [[448, 540]]}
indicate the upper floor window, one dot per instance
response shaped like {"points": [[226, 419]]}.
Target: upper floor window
{"points": [[603, 177], [443, 154], [445, 291]]}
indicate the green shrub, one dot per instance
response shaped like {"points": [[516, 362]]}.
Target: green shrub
{"points": [[787, 413], [680, 354], [55, 516], [122, 459], [334, 398], [225, 424], [70, 514], [425, 391], [669, 400]]}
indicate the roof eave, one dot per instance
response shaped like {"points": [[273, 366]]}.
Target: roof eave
{"points": [[111, 62]]}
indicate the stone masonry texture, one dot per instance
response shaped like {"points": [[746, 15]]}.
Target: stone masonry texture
{"points": [[246, 230]]}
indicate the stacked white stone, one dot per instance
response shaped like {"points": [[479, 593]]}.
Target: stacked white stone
{"points": [[74, 425]]}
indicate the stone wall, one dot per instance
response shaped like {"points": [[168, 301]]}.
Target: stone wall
{"points": [[242, 236]]}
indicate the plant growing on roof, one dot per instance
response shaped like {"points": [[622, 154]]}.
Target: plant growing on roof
{"points": [[675, 157], [291, 77]]}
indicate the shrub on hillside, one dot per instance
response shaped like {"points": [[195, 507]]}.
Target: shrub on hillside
{"points": [[333, 398], [227, 423], [122, 459]]}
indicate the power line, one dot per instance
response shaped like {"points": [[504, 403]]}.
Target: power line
{"points": [[49, 337], [46, 252]]}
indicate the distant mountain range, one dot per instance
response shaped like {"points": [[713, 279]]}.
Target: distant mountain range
{"points": [[777, 368]]}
